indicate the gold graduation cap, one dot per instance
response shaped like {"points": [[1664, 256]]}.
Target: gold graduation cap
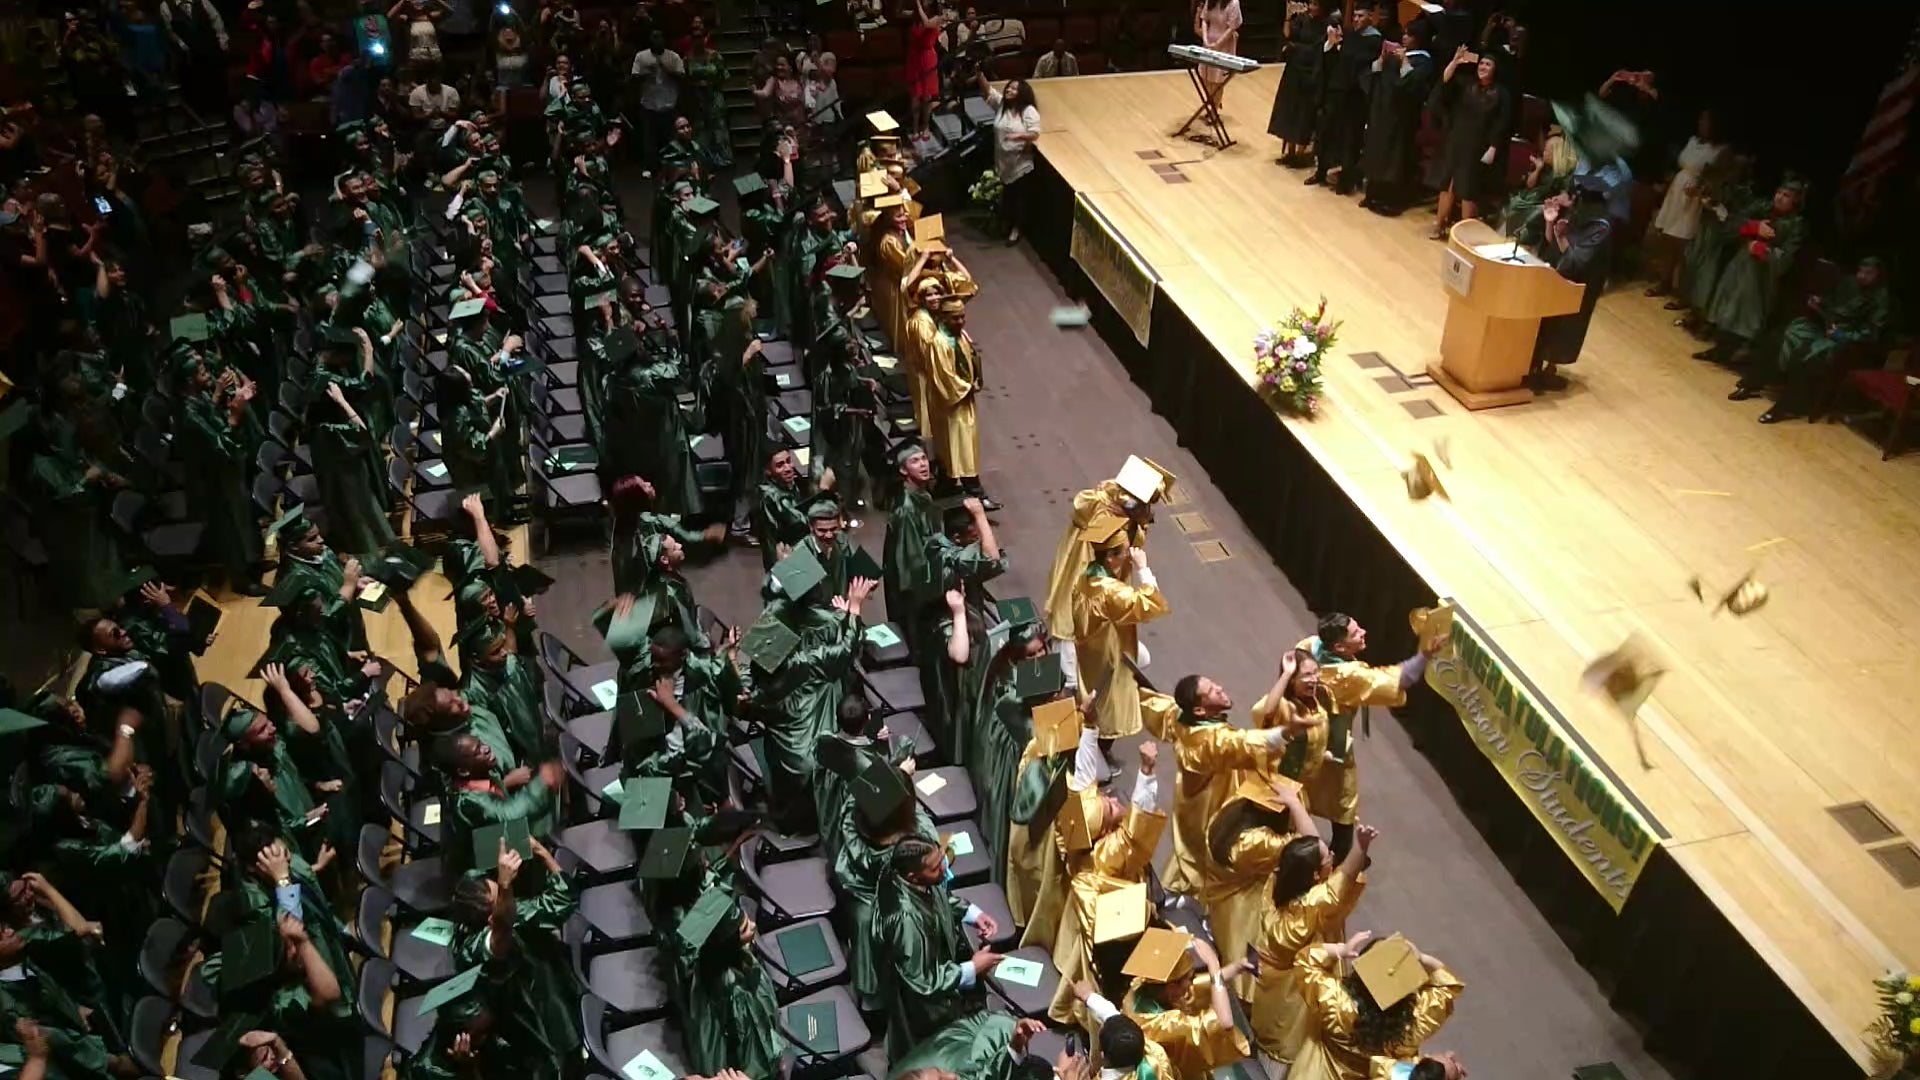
{"points": [[1079, 822], [1747, 596], [1105, 528], [1143, 479], [930, 228], [1627, 676], [873, 183], [963, 287], [1391, 970], [1431, 624], [1056, 726], [1161, 956], [1259, 790], [1121, 914], [882, 120], [1421, 480], [888, 202]]}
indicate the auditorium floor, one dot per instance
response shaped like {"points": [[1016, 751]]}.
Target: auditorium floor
{"points": [[1060, 413]]}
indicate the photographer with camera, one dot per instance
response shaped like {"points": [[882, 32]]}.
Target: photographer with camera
{"points": [[1016, 127]]}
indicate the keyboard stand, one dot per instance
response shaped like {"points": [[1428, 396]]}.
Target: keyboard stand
{"points": [[1209, 109]]}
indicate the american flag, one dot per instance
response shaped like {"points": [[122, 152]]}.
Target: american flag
{"points": [[1883, 143]]}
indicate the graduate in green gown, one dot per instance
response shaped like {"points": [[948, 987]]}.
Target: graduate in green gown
{"points": [[509, 925], [1855, 312], [845, 390], [499, 678], [259, 781], [94, 760], [987, 1046], [651, 576], [302, 636], [72, 490], [858, 742], [1002, 727], [805, 245], [306, 558], [273, 878], [798, 693], [1756, 273], [911, 524], [778, 517], [61, 942], [699, 694], [936, 973], [727, 1004], [631, 503], [965, 555], [481, 793], [473, 438], [64, 1038], [280, 976], [485, 354], [217, 437], [875, 812], [125, 327], [347, 453], [732, 373], [317, 733], [647, 435], [118, 678]]}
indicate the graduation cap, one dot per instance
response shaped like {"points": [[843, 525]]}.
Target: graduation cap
{"points": [[798, 574], [821, 505], [905, 449], [452, 990], [1160, 956], [1745, 597], [879, 792], [846, 272], [13, 721], [15, 417], [1080, 819], [478, 633], [1106, 529], [1121, 914], [1068, 316], [466, 309], [1017, 610], [701, 206], [1038, 678], [400, 566], [340, 337], [873, 184], [133, 579], [224, 1041], [1422, 480], [666, 853], [249, 954], [862, 565], [749, 185], [1391, 970], [929, 228], [1432, 624], [1056, 726], [1600, 132], [189, 327], [290, 589], [768, 642], [1626, 676], [1143, 479], [707, 915], [487, 838], [637, 718], [203, 618], [883, 121], [644, 801], [292, 520], [837, 756], [891, 200], [632, 631], [1259, 791], [621, 343]]}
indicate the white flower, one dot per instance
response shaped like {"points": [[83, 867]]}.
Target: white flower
{"points": [[1903, 998], [1304, 347]]}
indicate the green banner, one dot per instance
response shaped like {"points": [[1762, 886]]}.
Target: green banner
{"points": [[1599, 826]]}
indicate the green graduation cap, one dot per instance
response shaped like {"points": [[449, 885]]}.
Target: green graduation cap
{"points": [[13, 721], [224, 1041], [749, 185], [1038, 678], [487, 838], [666, 853], [630, 632], [905, 449], [846, 272], [837, 756], [133, 579], [707, 915], [644, 802], [477, 633], [879, 791], [400, 566], [15, 417], [249, 954], [189, 327], [292, 520], [452, 990], [861, 564], [636, 719], [799, 573], [467, 309], [701, 206], [768, 642], [340, 337], [530, 580], [290, 589], [1018, 610], [621, 343]]}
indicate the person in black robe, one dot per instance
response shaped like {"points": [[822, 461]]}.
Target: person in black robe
{"points": [[1397, 89], [1579, 245], [1479, 114], [1296, 104], [1343, 102]]}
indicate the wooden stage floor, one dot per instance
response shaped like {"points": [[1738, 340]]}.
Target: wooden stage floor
{"points": [[1581, 517]]}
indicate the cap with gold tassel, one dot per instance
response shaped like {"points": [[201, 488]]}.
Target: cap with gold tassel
{"points": [[1627, 676], [1432, 625]]}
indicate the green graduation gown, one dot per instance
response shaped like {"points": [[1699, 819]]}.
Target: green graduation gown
{"points": [[1001, 731], [468, 809], [952, 692], [511, 691], [647, 434], [348, 461], [972, 1048], [911, 524], [1751, 283], [531, 991], [922, 942], [800, 699], [218, 455], [728, 1007], [73, 516], [862, 868], [327, 573], [327, 1042], [1848, 315], [778, 517]]}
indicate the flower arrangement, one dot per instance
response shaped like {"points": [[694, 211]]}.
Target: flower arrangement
{"points": [[985, 192], [1895, 1036], [1286, 359]]}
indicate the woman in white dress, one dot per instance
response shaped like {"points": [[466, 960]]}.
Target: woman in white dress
{"points": [[1679, 215], [1217, 24]]}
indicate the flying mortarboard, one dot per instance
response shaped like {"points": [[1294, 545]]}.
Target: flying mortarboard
{"points": [[631, 631], [466, 309], [133, 579], [1069, 316], [249, 954], [707, 915], [1056, 726], [666, 854], [1038, 678], [846, 272], [860, 564], [341, 337], [644, 802], [1391, 970], [1017, 610], [400, 566], [1121, 914], [1161, 956], [883, 121], [189, 327], [452, 990], [749, 185], [768, 642], [1422, 480], [487, 838], [798, 574], [701, 206], [13, 721]]}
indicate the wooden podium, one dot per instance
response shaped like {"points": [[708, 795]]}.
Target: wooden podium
{"points": [[1495, 301]]}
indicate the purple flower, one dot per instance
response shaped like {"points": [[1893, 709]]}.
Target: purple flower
{"points": [[1272, 378], [1299, 365], [1311, 329]]}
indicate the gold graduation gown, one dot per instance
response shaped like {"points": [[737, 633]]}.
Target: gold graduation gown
{"points": [[1035, 870], [1192, 1037], [892, 255], [1237, 895], [922, 328], [1107, 614], [953, 378], [1277, 1011], [1329, 1052], [1074, 555], [1209, 757], [1351, 685], [1120, 857], [1332, 791]]}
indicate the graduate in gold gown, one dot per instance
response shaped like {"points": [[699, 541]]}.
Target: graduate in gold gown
{"points": [[1036, 874], [1349, 1026], [1125, 1051], [1349, 686], [1209, 757], [1106, 846], [1245, 841], [1309, 903], [953, 379], [889, 248], [1190, 1019], [922, 326], [1107, 612]]}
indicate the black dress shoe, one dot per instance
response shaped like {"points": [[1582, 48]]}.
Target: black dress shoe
{"points": [[1743, 393], [989, 504], [1711, 352], [1675, 305], [1547, 380], [1343, 188], [1316, 179], [1775, 415], [252, 588], [1366, 202]]}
